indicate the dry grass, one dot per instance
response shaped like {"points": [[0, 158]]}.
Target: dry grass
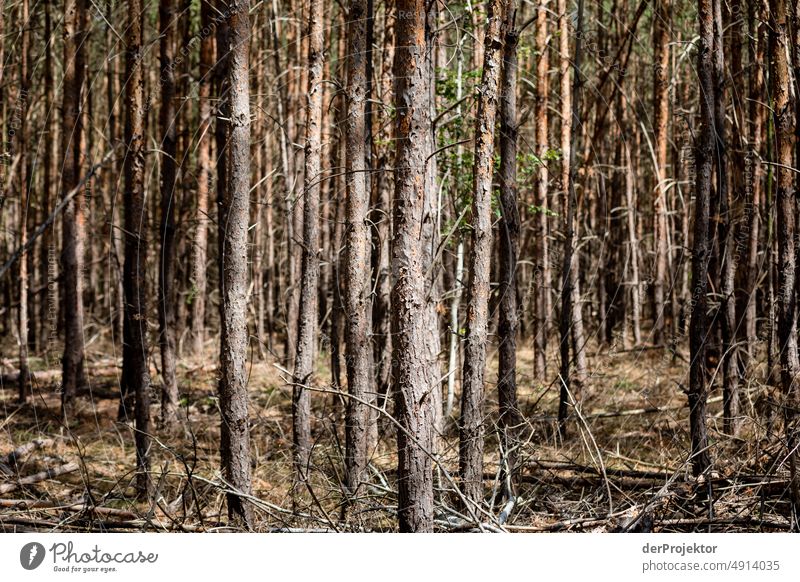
{"points": [[618, 469]]}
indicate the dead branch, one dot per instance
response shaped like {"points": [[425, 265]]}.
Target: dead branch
{"points": [[40, 476], [14, 456]]}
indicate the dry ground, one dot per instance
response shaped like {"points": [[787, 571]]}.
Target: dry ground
{"points": [[622, 468]]}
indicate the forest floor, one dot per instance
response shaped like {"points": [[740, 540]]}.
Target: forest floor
{"points": [[622, 467]]}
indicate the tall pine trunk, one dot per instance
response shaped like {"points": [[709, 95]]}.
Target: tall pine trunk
{"points": [[542, 301], [701, 252], [204, 178], [783, 109], [415, 376], [510, 418], [135, 368], [75, 22], [166, 271], [307, 326], [234, 213], [471, 435], [357, 304], [662, 19]]}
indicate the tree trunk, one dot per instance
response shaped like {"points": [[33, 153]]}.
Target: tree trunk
{"points": [[358, 277], [204, 179], [166, 271], [471, 435], [307, 326], [701, 253], [415, 376], [234, 213], [23, 99], [49, 274], [75, 21], [135, 368], [571, 319], [510, 420], [784, 123], [661, 22], [753, 180], [543, 281], [381, 221]]}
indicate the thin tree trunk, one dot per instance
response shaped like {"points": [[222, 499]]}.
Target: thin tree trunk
{"points": [[510, 420], [166, 271], [135, 368], [729, 359], [633, 241], [543, 305], [358, 277], [72, 230], [784, 124], [753, 182], [49, 166], [471, 434], [234, 213], [21, 107], [204, 179], [701, 253], [661, 19], [307, 325], [571, 319], [381, 220]]}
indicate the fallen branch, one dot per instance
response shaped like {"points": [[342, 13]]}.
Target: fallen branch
{"points": [[705, 522], [40, 476], [34, 505], [22, 450]]}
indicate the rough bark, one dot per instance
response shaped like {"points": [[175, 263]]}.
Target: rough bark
{"points": [[307, 325], [471, 435], [753, 183], [414, 375], [381, 221], [234, 212], [701, 252], [358, 308]]}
